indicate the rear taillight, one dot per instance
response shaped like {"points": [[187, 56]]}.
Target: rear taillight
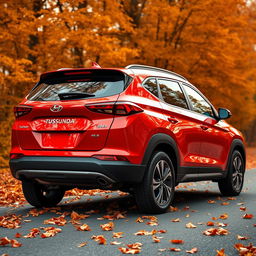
{"points": [[16, 155], [21, 110], [110, 158], [120, 108]]}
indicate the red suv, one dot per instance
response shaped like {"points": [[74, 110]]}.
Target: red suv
{"points": [[140, 129]]}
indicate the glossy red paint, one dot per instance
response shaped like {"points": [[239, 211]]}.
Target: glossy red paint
{"points": [[81, 131]]}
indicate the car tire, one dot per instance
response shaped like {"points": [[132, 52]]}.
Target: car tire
{"points": [[156, 192], [232, 185], [39, 195]]}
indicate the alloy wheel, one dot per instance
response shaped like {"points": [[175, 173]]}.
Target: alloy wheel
{"points": [[162, 183], [238, 173]]}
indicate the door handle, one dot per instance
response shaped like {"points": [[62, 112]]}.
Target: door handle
{"points": [[204, 127], [173, 120]]}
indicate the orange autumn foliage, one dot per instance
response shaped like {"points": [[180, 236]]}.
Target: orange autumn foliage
{"points": [[211, 42]]}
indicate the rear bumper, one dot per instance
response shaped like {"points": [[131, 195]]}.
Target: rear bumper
{"points": [[76, 171]]}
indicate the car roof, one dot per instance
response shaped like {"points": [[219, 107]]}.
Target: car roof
{"points": [[154, 71], [131, 70]]}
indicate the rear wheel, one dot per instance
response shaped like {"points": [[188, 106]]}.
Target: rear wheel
{"points": [[40, 195], [233, 183], [155, 193]]}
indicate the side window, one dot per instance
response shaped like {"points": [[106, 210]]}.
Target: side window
{"points": [[172, 93], [151, 86], [199, 104]]}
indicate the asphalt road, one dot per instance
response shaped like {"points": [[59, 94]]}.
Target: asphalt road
{"points": [[192, 195]]}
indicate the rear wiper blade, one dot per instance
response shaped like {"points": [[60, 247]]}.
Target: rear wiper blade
{"points": [[74, 95]]}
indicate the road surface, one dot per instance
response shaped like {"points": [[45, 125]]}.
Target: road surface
{"points": [[196, 203]]}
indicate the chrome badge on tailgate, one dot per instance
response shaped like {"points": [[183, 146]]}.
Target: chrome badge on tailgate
{"points": [[60, 121]]}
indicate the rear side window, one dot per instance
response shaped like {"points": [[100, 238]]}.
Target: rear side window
{"points": [[151, 86], [94, 84], [199, 104], [172, 93]]}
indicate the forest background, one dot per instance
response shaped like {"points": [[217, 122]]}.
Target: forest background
{"points": [[210, 42]]}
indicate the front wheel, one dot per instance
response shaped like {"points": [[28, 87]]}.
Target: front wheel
{"points": [[39, 195], [233, 183], [156, 192]]}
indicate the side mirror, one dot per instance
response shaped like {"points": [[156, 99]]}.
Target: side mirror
{"points": [[224, 113]]}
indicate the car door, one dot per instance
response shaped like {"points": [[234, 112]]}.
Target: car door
{"points": [[214, 136], [181, 125]]}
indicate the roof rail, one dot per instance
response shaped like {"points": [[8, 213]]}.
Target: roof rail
{"points": [[137, 66]]}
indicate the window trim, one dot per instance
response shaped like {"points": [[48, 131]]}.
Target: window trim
{"points": [[158, 91], [202, 95], [179, 83]]}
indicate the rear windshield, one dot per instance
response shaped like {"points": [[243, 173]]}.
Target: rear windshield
{"points": [[93, 84]]}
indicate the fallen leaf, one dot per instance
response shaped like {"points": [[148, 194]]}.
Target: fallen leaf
{"points": [[117, 234], [139, 220], [223, 216], [60, 221], [225, 203], [247, 216], [4, 241], [221, 252], [115, 243], [190, 225], [210, 223], [76, 216], [33, 233], [242, 237], [176, 241], [243, 209], [193, 250], [82, 244], [50, 232], [18, 235], [220, 224], [107, 227], [156, 239], [244, 250], [211, 202], [215, 231], [176, 220], [15, 243], [128, 250], [83, 227], [100, 239], [175, 249], [145, 233]]}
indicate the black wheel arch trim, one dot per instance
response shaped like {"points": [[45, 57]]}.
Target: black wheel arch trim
{"points": [[236, 143], [156, 140]]}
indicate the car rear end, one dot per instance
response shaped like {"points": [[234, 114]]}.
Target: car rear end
{"points": [[61, 131]]}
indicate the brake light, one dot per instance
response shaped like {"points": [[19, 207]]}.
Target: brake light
{"points": [[110, 158], [78, 73], [21, 110], [120, 109], [16, 155]]}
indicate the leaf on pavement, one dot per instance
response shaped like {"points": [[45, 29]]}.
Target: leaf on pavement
{"points": [[83, 227], [82, 244], [247, 216], [176, 241], [216, 231], [50, 232], [100, 239], [242, 237], [175, 249], [221, 252], [192, 251], [117, 234], [190, 225], [108, 226]]}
